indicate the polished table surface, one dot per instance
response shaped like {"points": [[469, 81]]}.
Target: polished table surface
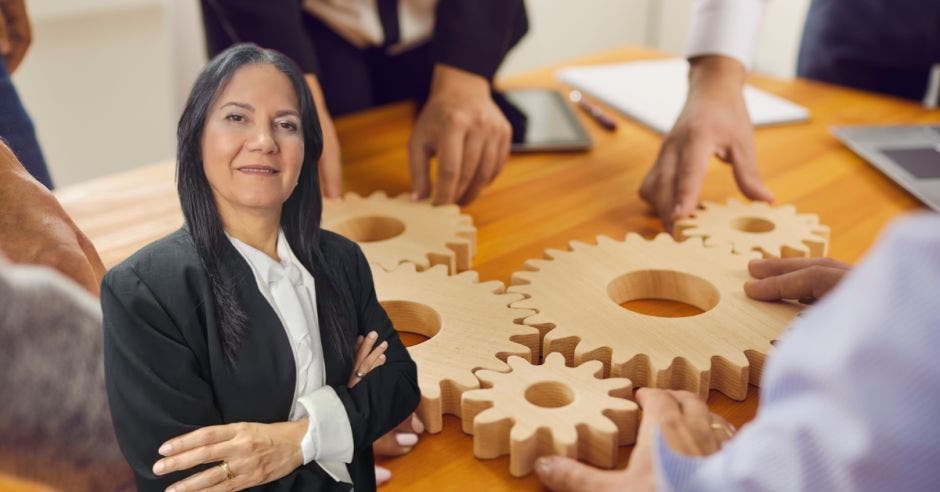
{"points": [[545, 200]]}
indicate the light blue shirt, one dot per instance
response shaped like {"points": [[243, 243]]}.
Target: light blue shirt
{"points": [[851, 395]]}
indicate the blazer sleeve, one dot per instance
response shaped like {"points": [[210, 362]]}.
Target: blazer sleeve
{"points": [[475, 35], [388, 393], [152, 377], [273, 24]]}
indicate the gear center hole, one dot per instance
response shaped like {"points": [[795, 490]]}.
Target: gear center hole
{"points": [[663, 293], [755, 225], [370, 229], [549, 394], [416, 323]]}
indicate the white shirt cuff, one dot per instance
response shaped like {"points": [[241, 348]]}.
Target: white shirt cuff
{"points": [[725, 27], [329, 435]]}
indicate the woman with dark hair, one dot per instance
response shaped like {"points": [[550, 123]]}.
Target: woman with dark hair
{"points": [[248, 347]]}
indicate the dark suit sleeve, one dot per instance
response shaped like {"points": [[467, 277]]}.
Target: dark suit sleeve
{"points": [[389, 393], [273, 24], [152, 377], [475, 35]]}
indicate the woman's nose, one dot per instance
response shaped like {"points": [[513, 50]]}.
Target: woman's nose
{"points": [[262, 141]]}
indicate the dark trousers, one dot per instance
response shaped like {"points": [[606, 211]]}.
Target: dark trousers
{"points": [[16, 128], [354, 79], [884, 46]]}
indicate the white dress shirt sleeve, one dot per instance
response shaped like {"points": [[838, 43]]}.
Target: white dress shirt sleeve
{"points": [[725, 27], [851, 394], [329, 435]]}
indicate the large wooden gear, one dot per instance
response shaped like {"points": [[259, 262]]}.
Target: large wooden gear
{"points": [[777, 232], [549, 409], [470, 326], [396, 230], [578, 295]]}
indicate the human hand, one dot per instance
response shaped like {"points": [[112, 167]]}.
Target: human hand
{"points": [[331, 162], [714, 121], [804, 279], [246, 453], [396, 442], [686, 425], [463, 127], [15, 33], [34, 227], [367, 358]]}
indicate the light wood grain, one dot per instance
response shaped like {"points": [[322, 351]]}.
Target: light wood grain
{"points": [[773, 231], [396, 230], [543, 201]]}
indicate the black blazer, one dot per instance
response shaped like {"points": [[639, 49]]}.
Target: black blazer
{"points": [[166, 375], [473, 35]]}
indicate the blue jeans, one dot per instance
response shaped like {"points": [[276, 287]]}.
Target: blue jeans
{"points": [[18, 131]]}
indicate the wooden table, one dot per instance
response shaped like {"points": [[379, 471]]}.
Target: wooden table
{"points": [[546, 200]]}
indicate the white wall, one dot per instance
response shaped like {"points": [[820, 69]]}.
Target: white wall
{"points": [[105, 80], [94, 82]]}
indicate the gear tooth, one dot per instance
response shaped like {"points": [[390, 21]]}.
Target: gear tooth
{"points": [[579, 246], [554, 359], [663, 237], [821, 231], [352, 196], [593, 368], [437, 270], [493, 287], [522, 431], [707, 205], [536, 264], [521, 278], [554, 253], [469, 276], [490, 416], [378, 195], [487, 376], [603, 240], [517, 363], [787, 208], [734, 202]]}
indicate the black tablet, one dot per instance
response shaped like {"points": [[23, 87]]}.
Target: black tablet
{"points": [[541, 120]]}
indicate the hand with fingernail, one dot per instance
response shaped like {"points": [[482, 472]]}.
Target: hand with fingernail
{"points": [[396, 442], [368, 357]]}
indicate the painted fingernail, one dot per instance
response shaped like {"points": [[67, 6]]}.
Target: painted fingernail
{"points": [[382, 358], [384, 344], [165, 449], [171, 489], [382, 474], [158, 467], [406, 439], [373, 335], [417, 425]]}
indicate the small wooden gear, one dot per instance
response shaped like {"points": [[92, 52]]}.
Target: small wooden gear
{"points": [[578, 296], [470, 326], [777, 232], [550, 409], [396, 230]]}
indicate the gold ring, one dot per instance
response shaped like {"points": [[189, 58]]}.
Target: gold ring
{"points": [[227, 470], [360, 374]]}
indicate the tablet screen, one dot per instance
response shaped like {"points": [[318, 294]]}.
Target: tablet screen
{"points": [[541, 121]]}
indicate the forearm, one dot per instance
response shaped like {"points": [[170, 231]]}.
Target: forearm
{"points": [[708, 72]]}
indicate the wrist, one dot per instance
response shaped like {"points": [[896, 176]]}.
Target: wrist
{"points": [[451, 79], [716, 71]]}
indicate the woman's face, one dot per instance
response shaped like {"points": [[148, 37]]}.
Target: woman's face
{"points": [[252, 143]]}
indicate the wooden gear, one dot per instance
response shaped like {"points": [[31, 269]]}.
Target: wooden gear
{"points": [[396, 230], [470, 326], [777, 232], [549, 409], [577, 296]]}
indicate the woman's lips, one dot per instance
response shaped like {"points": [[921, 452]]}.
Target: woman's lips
{"points": [[259, 170]]}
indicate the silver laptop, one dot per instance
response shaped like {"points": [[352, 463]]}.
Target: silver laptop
{"points": [[909, 155]]}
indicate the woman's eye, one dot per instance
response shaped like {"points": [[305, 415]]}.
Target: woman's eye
{"points": [[235, 117], [287, 125]]}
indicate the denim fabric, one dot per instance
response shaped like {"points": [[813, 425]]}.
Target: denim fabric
{"points": [[17, 129]]}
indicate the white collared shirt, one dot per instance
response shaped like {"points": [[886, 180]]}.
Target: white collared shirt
{"points": [[290, 290], [725, 27]]}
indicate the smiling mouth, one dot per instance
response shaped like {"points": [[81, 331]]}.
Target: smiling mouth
{"points": [[259, 170]]}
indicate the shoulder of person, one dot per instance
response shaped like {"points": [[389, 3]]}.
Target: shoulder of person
{"points": [[170, 258]]}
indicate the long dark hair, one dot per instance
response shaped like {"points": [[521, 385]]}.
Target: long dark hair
{"points": [[300, 215]]}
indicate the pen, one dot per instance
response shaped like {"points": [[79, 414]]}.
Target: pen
{"points": [[594, 110]]}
